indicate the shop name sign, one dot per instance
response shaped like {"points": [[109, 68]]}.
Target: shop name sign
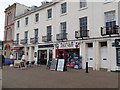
{"points": [[70, 44]]}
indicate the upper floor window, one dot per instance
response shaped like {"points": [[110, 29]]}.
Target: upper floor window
{"points": [[17, 38], [18, 24], [83, 23], [64, 8], [49, 13], [63, 27], [36, 33], [26, 21], [49, 30], [37, 17], [9, 18], [110, 20], [83, 3]]}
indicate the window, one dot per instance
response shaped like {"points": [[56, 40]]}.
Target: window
{"points": [[118, 56], [83, 23], [64, 8], [49, 13], [36, 33], [37, 17], [18, 24], [63, 27], [26, 21], [83, 27], [49, 30], [26, 36], [83, 3], [110, 20], [17, 38]]}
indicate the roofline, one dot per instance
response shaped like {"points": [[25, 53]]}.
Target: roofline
{"points": [[37, 9]]}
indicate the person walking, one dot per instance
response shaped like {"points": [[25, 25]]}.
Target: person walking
{"points": [[2, 61], [11, 60]]}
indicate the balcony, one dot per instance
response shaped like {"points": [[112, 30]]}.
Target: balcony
{"points": [[61, 36], [81, 33], [47, 38], [16, 42], [110, 30], [23, 41], [34, 40]]}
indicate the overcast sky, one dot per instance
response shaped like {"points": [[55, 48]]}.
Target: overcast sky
{"points": [[5, 3]]}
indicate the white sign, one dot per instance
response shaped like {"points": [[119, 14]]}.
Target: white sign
{"points": [[68, 45], [60, 65]]}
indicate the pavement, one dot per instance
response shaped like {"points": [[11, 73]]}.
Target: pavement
{"points": [[40, 77], [0, 79]]}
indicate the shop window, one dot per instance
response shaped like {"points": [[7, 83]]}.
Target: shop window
{"points": [[118, 56]]}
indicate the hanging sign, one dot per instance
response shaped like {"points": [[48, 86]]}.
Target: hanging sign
{"points": [[68, 45]]}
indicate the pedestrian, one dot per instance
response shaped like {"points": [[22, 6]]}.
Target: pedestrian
{"points": [[22, 63], [11, 60]]}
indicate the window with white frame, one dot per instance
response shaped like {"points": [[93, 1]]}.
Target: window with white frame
{"points": [[63, 27], [63, 7], [110, 20], [49, 13], [83, 23], [49, 31], [83, 3], [37, 17], [26, 21]]}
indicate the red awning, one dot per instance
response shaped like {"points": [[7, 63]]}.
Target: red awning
{"points": [[17, 48]]}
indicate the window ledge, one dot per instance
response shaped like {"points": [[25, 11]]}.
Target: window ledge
{"points": [[83, 8], [63, 14], [37, 22], [49, 19]]}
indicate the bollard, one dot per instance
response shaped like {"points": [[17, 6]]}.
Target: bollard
{"points": [[86, 67]]}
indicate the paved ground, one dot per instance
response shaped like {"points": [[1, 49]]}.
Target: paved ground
{"points": [[0, 79], [39, 77]]}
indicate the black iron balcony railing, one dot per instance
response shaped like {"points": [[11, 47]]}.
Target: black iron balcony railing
{"points": [[47, 38], [15, 42], [81, 33], [61, 36], [110, 30], [34, 40], [23, 41]]}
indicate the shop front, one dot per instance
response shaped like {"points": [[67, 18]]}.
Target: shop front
{"points": [[18, 52], [70, 52], [45, 53]]}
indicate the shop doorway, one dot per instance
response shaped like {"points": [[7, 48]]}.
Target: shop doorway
{"points": [[42, 57]]}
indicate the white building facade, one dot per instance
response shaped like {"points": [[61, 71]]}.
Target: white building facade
{"points": [[62, 29]]}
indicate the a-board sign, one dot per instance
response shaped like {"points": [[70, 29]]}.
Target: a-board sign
{"points": [[22, 64], [60, 65], [53, 64]]}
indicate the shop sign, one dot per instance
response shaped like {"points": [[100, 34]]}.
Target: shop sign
{"points": [[68, 45], [117, 42]]}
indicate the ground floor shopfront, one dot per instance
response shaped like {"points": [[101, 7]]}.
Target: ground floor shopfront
{"points": [[99, 53]]}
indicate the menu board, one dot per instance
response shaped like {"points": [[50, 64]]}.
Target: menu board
{"points": [[118, 56], [60, 65], [53, 65]]}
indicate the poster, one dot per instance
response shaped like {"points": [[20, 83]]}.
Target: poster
{"points": [[60, 65]]}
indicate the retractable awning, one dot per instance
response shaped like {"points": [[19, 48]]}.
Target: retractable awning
{"points": [[17, 48]]}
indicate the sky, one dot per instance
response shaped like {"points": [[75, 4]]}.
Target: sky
{"points": [[5, 3]]}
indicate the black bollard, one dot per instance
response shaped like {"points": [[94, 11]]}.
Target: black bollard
{"points": [[86, 67]]}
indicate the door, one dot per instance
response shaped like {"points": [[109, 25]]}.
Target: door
{"points": [[42, 56], [61, 54], [103, 57], [90, 56]]}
